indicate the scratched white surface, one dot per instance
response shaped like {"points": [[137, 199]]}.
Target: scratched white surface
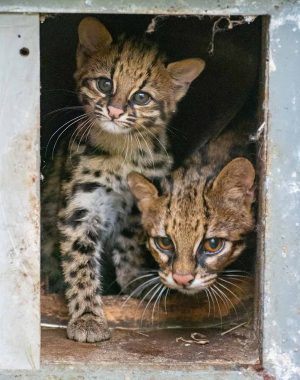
{"points": [[19, 192], [281, 280]]}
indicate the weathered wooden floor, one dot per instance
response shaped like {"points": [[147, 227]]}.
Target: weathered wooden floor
{"points": [[156, 336]]}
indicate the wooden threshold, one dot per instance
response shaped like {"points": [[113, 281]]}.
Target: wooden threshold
{"points": [[153, 347], [158, 336]]}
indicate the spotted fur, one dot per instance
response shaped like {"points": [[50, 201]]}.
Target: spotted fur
{"points": [[209, 197], [115, 137]]}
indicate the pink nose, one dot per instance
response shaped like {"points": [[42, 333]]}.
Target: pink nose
{"points": [[114, 112], [183, 279]]}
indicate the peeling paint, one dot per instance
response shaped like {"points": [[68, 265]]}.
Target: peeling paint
{"points": [[272, 65], [294, 187], [231, 23], [19, 194], [153, 24], [283, 364], [209, 7], [282, 239], [282, 20]]}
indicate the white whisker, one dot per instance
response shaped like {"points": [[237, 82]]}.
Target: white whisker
{"points": [[235, 271], [231, 283], [236, 276], [64, 130], [165, 301], [78, 129], [221, 296], [67, 125], [139, 278], [229, 300], [139, 289], [207, 296], [68, 108], [153, 135], [212, 300], [214, 294], [162, 288], [156, 289], [148, 148], [86, 133], [235, 296]]}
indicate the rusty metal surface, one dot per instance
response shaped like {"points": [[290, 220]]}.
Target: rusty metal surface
{"points": [[19, 192]]}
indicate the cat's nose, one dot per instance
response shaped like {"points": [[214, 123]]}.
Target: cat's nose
{"points": [[183, 279], [115, 112]]}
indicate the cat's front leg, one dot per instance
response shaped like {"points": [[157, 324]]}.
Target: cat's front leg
{"points": [[89, 219]]}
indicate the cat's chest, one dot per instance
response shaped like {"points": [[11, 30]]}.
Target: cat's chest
{"points": [[112, 171]]}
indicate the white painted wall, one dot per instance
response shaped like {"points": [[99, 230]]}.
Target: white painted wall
{"points": [[19, 193]]}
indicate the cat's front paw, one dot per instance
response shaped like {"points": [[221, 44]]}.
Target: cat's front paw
{"points": [[88, 328]]}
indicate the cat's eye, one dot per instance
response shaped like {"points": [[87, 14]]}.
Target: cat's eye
{"points": [[164, 244], [141, 98], [105, 85], [213, 245]]}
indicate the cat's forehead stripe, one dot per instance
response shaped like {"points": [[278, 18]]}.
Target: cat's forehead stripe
{"points": [[117, 59], [129, 50]]}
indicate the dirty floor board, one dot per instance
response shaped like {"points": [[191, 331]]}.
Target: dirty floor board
{"points": [[152, 347]]}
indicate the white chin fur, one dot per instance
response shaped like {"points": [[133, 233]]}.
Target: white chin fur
{"points": [[111, 127]]}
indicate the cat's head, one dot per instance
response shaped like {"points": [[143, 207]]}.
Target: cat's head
{"points": [[196, 228], [124, 84]]}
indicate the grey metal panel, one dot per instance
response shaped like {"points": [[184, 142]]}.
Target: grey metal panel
{"points": [[233, 7], [281, 315], [19, 192]]}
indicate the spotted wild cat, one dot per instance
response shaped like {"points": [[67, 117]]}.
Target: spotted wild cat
{"points": [[129, 96], [197, 223]]}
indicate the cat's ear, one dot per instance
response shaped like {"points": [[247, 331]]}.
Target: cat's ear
{"points": [[235, 182], [143, 190], [183, 73], [93, 36]]}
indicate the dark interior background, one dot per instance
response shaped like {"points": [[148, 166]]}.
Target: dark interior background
{"points": [[229, 81], [213, 99]]}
